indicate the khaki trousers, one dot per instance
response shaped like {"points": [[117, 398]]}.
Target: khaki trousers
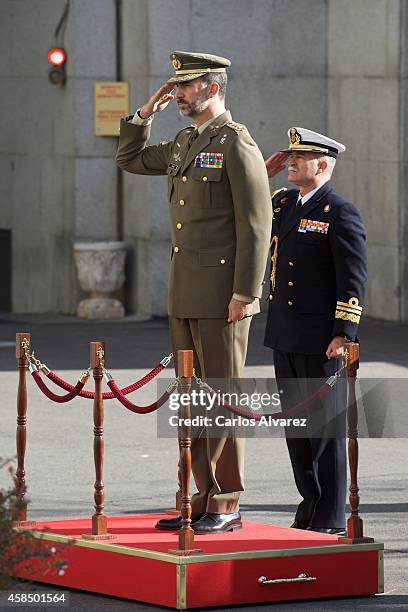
{"points": [[217, 463]]}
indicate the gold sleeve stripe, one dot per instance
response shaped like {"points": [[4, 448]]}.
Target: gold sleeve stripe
{"points": [[348, 309], [347, 316], [353, 304]]}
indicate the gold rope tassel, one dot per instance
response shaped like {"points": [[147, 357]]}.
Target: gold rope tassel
{"points": [[274, 259]]}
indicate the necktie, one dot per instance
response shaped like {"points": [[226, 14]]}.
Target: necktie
{"points": [[293, 214]]}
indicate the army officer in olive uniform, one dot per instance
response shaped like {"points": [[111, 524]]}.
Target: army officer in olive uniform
{"points": [[318, 277], [220, 216]]}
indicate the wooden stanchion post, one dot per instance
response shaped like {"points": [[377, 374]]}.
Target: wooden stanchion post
{"points": [[99, 519], [186, 533], [355, 533], [22, 352]]}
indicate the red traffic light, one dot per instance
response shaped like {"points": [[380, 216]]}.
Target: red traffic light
{"points": [[57, 57]]}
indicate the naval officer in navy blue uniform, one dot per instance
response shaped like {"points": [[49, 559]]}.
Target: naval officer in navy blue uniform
{"points": [[318, 276]]}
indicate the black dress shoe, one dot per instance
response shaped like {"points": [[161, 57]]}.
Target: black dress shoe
{"points": [[174, 524], [340, 531], [218, 523], [299, 525]]}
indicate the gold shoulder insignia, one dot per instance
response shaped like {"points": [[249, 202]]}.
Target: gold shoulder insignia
{"points": [[274, 193], [237, 127]]}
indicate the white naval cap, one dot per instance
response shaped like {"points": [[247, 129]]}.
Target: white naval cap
{"points": [[301, 139]]}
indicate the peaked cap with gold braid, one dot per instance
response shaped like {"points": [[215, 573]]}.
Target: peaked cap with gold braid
{"points": [[189, 66], [303, 140]]}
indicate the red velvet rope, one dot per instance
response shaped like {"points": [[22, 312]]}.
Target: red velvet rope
{"points": [[293, 410], [91, 395], [132, 407], [75, 391]]}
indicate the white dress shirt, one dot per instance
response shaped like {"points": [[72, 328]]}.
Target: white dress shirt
{"points": [[303, 199]]}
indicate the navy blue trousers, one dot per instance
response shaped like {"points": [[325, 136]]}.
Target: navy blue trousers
{"points": [[318, 456]]}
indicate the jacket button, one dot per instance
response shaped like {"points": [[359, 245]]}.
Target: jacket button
{"points": [[222, 261], [184, 179], [291, 263], [290, 303], [182, 202], [270, 296], [290, 284], [176, 249], [179, 226], [205, 179]]}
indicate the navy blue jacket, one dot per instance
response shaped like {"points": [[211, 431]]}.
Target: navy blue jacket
{"points": [[317, 285]]}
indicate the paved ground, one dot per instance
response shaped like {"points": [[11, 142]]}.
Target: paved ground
{"points": [[140, 470]]}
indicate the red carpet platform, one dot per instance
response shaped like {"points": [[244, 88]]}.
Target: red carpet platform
{"points": [[260, 563]]}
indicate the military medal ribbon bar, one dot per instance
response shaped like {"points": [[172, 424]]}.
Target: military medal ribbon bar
{"points": [[309, 225], [209, 160]]}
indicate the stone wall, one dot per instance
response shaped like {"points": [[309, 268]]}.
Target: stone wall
{"points": [[364, 89], [58, 182], [335, 66]]}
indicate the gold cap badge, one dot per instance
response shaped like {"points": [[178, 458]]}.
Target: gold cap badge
{"points": [[176, 63], [294, 136]]}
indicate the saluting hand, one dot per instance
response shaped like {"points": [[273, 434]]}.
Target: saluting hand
{"points": [[276, 163], [158, 102], [336, 347], [238, 310]]}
